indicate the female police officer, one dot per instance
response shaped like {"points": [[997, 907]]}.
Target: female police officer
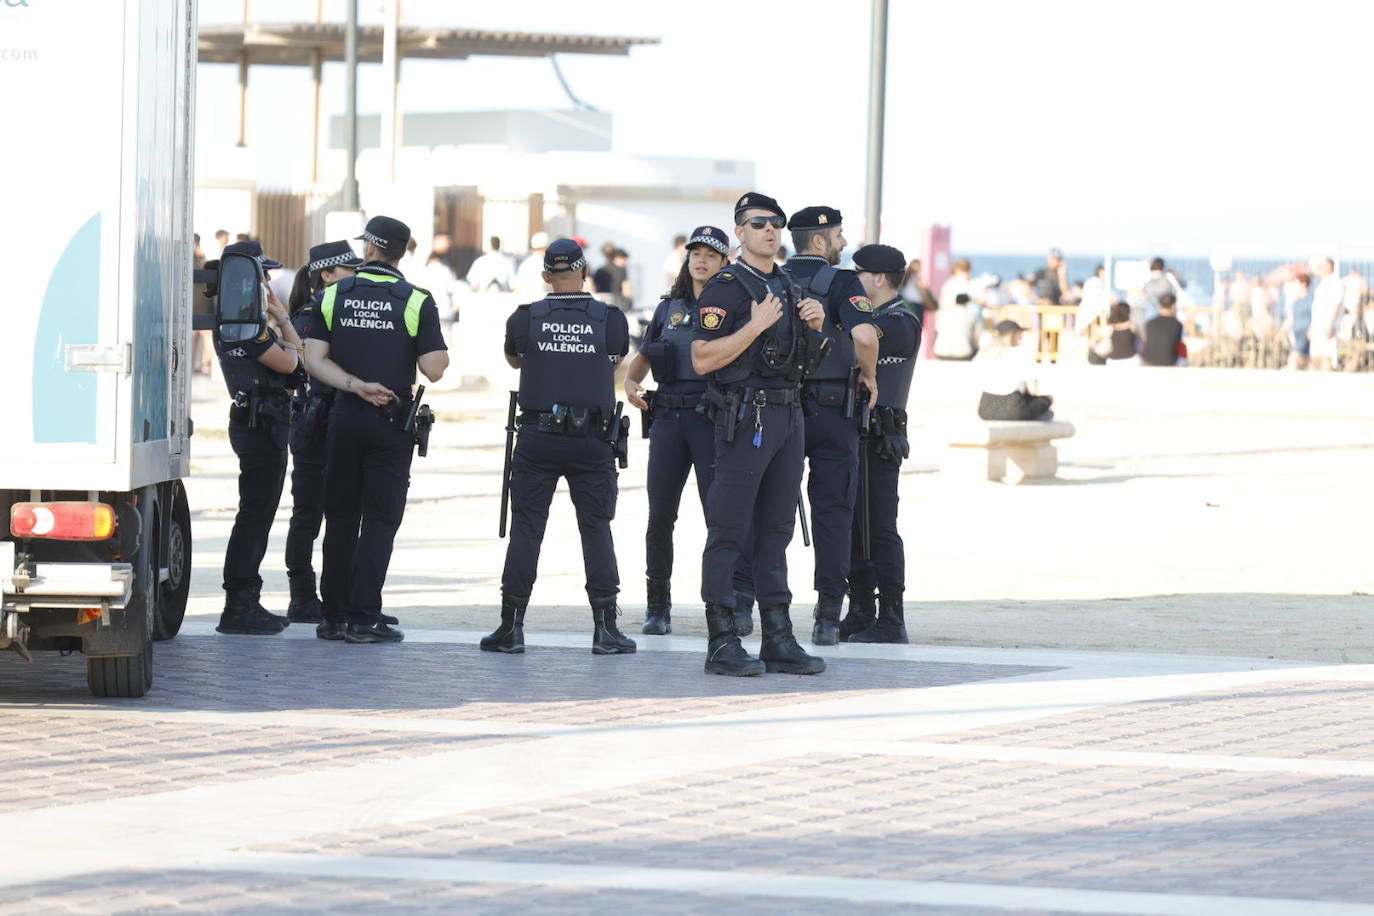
{"points": [[329, 263], [680, 437], [258, 373]]}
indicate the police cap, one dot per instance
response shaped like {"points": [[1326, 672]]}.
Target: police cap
{"points": [[564, 255], [879, 259], [252, 250], [814, 218], [386, 233], [711, 237], [756, 201], [333, 254]]}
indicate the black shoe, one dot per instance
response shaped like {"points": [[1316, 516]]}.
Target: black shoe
{"points": [[282, 618], [606, 636], [330, 629], [780, 652], [744, 613], [389, 620], [890, 627], [724, 654], [243, 617], [509, 637], [826, 630], [658, 611], [305, 606], [863, 610], [374, 632]]}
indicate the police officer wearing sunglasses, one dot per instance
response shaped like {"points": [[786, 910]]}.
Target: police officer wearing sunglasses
{"points": [[756, 342]]}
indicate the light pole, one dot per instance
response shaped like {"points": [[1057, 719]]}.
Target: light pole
{"points": [[877, 99], [350, 188]]}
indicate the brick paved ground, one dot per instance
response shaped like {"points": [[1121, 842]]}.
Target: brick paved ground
{"points": [[428, 777]]}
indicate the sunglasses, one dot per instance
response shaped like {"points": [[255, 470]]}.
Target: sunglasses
{"points": [[758, 222]]}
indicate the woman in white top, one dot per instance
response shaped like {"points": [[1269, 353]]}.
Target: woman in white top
{"points": [[1007, 372]]}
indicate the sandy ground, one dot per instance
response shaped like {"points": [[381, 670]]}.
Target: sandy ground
{"points": [[1211, 512]]}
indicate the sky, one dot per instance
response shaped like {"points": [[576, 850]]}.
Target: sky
{"points": [[1162, 127]]}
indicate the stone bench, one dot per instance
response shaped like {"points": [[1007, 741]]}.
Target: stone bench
{"points": [[1005, 450]]}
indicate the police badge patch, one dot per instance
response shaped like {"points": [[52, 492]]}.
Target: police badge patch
{"points": [[677, 318], [862, 303], [711, 317]]}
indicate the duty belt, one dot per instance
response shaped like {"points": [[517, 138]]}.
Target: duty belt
{"points": [[762, 397], [676, 401], [565, 422], [826, 392]]}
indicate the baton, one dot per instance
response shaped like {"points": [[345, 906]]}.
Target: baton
{"points": [[865, 530], [801, 517], [505, 470]]}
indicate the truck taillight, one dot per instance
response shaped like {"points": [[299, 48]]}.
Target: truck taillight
{"points": [[66, 521]]}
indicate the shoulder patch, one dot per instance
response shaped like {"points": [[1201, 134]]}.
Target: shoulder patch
{"points": [[861, 303], [725, 275], [677, 317], [712, 317]]}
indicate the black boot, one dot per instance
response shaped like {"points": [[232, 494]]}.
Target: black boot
{"points": [[744, 613], [606, 636], [890, 627], [724, 654], [863, 610], [305, 606], [658, 615], [509, 637], [826, 630], [244, 617], [280, 618], [780, 652]]}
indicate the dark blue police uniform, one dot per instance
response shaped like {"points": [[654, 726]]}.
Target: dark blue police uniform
{"points": [[759, 442], [886, 446], [309, 423], [681, 438], [377, 326], [568, 345]]}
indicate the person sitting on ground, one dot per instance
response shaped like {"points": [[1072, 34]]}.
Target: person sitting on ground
{"points": [[956, 329], [1118, 347], [1007, 371], [1163, 335]]}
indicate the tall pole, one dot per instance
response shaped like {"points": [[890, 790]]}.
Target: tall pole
{"points": [[350, 188], [391, 79], [877, 102]]}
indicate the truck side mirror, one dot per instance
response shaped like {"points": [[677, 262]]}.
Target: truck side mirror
{"points": [[238, 298]]}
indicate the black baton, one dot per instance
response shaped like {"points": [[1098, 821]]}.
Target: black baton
{"points": [[505, 470], [801, 517]]}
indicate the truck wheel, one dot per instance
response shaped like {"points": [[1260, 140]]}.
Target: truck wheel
{"points": [[121, 675], [171, 599]]}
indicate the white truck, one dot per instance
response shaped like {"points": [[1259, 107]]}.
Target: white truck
{"points": [[95, 199]]}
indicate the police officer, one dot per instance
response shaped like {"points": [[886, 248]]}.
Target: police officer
{"points": [[329, 263], [757, 343], [880, 269], [566, 346], [258, 374], [373, 330], [680, 436], [830, 403]]}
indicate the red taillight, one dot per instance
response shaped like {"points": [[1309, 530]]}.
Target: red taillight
{"points": [[62, 521]]}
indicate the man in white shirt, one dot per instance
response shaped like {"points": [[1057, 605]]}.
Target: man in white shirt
{"points": [[1328, 306], [956, 329], [492, 269]]}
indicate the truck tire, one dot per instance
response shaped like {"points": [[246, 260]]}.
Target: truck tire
{"points": [[172, 596], [127, 676]]}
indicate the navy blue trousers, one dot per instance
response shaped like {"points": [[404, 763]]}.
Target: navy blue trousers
{"points": [[885, 569], [679, 441], [262, 471], [367, 476], [757, 485], [588, 464], [307, 499], [832, 450]]}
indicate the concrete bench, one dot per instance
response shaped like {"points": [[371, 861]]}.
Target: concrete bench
{"points": [[1005, 450]]}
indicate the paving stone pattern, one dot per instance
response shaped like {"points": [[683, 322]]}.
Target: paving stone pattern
{"points": [[234, 892], [1117, 828], [1317, 719], [54, 760], [433, 679]]}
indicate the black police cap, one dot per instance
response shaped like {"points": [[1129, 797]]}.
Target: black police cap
{"points": [[252, 250], [387, 233], [756, 201], [711, 237], [333, 254], [564, 255], [815, 218], [880, 259]]}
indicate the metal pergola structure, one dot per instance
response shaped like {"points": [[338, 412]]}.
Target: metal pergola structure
{"points": [[311, 44]]}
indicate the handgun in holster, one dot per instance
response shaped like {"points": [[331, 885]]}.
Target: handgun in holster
{"points": [[618, 435], [419, 421]]}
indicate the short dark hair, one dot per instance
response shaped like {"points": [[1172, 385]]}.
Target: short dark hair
{"points": [[801, 238], [896, 279], [495, 243], [963, 299], [1168, 301], [1120, 312], [1156, 264]]}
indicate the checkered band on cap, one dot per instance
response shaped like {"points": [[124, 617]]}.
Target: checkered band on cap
{"points": [[575, 265], [350, 259], [375, 239], [715, 243]]}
